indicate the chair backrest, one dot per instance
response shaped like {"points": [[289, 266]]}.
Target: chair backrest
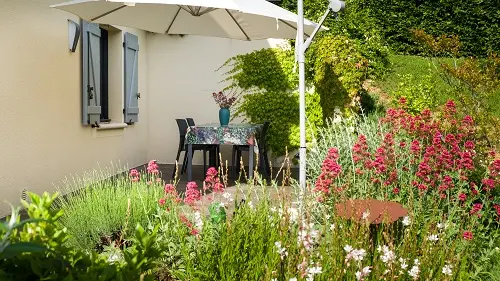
{"points": [[190, 122], [263, 135], [182, 125]]}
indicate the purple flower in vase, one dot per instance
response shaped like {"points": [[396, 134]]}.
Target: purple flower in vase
{"points": [[222, 100]]}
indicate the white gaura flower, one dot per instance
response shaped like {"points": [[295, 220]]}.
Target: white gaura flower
{"points": [[292, 279], [365, 214], [281, 250], [363, 273], [388, 256], [447, 269], [403, 263], [348, 248], [440, 225], [332, 226], [227, 196], [315, 270], [198, 221], [272, 209], [414, 272], [357, 254], [406, 221], [433, 237], [293, 213]]}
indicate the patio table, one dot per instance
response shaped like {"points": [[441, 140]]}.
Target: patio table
{"points": [[233, 134]]}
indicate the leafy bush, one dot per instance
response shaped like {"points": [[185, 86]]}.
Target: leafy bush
{"points": [[354, 23], [35, 249], [269, 81], [100, 208], [282, 110]]}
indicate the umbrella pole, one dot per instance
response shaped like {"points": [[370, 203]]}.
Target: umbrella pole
{"points": [[334, 6], [302, 101]]}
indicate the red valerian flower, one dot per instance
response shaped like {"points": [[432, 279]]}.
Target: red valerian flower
{"points": [[415, 147], [462, 197], [161, 201], [467, 235], [497, 208], [153, 167], [134, 175], [476, 208], [212, 180], [170, 189], [192, 193], [330, 170]]}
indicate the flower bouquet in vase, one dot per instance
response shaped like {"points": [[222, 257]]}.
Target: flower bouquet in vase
{"points": [[224, 103]]}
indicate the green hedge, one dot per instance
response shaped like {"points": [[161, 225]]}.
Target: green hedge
{"points": [[476, 22]]}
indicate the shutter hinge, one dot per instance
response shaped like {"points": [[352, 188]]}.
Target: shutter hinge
{"points": [[90, 91]]}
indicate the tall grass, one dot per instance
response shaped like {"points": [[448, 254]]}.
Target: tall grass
{"points": [[102, 203]]}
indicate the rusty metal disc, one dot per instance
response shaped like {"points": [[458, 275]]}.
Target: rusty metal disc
{"points": [[371, 210]]}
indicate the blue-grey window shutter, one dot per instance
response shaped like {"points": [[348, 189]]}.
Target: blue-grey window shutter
{"points": [[132, 95], [91, 71]]}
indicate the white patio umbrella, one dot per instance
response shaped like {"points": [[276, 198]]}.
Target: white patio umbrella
{"points": [[236, 19]]}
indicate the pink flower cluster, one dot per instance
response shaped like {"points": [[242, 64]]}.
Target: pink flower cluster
{"points": [[153, 167], [330, 170], [438, 157], [212, 181], [192, 193], [134, 175]]}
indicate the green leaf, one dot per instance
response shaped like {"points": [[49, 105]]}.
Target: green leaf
{"points": [[19, 248]]}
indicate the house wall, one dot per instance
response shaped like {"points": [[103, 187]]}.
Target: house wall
{"points": [[42, 140], [182, 77]]}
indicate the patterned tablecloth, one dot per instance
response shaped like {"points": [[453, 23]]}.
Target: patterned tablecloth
{"points": [[234, 134]]}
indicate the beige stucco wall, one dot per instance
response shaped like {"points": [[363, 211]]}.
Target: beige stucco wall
{"points": [[182, 77], [41, 136]]}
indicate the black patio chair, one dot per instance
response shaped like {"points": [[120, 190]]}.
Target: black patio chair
{"points": [[190, 122], [263, 158], [213, 159], [182, 124]]}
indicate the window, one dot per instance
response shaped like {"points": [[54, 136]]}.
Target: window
{"points": [[99, 103]]}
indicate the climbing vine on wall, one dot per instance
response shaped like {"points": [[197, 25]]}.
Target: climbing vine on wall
{"points": [[268, 78]]}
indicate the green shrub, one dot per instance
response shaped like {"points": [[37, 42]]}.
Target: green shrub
{"points": [[281, 109], [267, 77], [101, 207], [354, 23], [35, 249]]}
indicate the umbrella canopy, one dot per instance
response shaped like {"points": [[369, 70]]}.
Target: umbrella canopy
{"points": [[236, 19]]}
